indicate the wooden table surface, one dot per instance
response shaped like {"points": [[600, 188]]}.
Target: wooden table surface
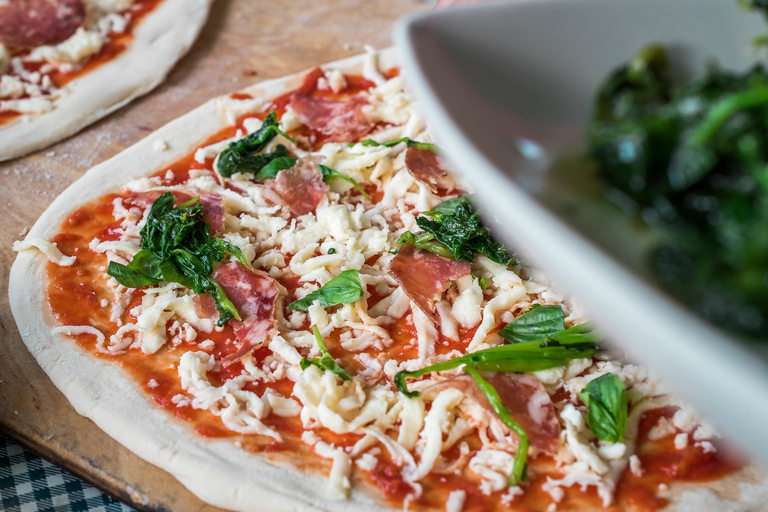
{"points": [[270, 38]]}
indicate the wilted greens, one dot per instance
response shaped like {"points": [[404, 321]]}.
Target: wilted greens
{"points": [[177, 246], [693, 159], [457, 233]]}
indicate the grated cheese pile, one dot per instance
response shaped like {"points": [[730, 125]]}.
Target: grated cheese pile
{"points": [[416, 433], [33, 92]]}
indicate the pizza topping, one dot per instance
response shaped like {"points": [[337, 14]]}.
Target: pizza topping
{"points": [[326, 361], [301, 187], [424, 275], [536, 323], [254, 293], [48, 248], [213, 204], [606, 401], [240, 155], [457, 230], [176, 246], [342, 289], [30, 23], [337, 120], [425, 166]]}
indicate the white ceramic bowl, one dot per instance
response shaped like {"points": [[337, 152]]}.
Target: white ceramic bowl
{"points": [[508, 87]]}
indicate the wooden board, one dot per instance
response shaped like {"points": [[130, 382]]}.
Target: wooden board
{"points": [[242, 37]]}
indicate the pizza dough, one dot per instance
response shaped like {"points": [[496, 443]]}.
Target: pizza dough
{"points": [[215, 470], [159, 40]]}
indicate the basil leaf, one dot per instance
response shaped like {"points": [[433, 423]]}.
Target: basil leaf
{"points": [[342, 289], [177, 246], [520, 464], [606, 401], [269, 171], [529, 356], [326, 362], [538, 322], [239, 155], [409, 142], [329, 174]]}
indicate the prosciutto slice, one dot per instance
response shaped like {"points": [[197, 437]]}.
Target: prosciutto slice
{"points": [[213, 204], [301, 187], [30, 23], [424, 276], [425, 165], [254, 293], [337, 120], [527, 401]]}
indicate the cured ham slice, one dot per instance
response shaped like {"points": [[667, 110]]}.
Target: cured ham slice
{"points": [[337, 120], [213, 204], [30, 23], [300, 188], [527, 401], [424, 276], [426, 166], [254, 293], [531, 406]]}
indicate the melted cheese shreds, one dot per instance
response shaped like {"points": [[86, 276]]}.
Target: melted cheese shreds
{"points": [[493, 466], [81, 45], [49, 249], [240, 410]]}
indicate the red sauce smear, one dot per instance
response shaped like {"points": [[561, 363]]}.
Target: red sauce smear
{"points": [[75, 294]]}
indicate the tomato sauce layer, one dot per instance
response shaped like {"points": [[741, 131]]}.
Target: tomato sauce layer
{"points": [[79, 295]]}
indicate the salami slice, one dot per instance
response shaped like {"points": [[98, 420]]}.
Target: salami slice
{"points": [[337, 120], [213, 204], [527, 401], [254, 293], [30, 23], [301, 187], [425, 165], [424, 275]]}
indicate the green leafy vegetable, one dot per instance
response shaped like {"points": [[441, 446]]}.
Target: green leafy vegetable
{"points": [[329, 174], [331, 251], [529, 356], [457, 233], [240, 155], [536, 323], [520, 464], [606, 401], [425, 241], [176, 246], [326, 362], [410, 143], [342, 289], [482, 282], [279, 163], [693, 159]]}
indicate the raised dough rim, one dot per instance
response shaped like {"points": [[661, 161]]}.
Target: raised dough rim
{"points": [[166, 34], [100, 391]]}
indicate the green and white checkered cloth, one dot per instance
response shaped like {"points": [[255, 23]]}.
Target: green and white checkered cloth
{"points": [[31, 484]]}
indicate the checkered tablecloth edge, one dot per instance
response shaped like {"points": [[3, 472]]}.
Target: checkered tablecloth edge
{"points": [[31, 484]]}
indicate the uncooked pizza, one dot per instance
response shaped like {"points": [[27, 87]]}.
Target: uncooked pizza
{"points": [[298, 306], [67, 63]]}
